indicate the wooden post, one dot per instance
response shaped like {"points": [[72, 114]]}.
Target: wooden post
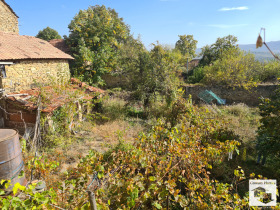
{"points": [[92, 200], [88, 107], [80, 111], [50, 123]]}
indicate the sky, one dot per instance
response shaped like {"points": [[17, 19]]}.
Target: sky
{"points": [[162, 20]]}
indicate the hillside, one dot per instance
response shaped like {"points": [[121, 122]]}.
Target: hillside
{"points": [[274, 46], [262, 53]]}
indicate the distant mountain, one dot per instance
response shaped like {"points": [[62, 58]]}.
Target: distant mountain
{"points": [[274, 46], [262, 53]]}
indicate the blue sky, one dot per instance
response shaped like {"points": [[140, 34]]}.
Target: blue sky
{"points": [[162, 20]]}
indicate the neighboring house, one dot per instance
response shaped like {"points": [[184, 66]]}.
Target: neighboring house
{"points": [[27, 62], [60, 44], [28, 66], [8, 19], [194, 62]]}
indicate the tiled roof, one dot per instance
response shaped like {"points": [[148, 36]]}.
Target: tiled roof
{"points": [[16, 47], [54, 98], [9, 8], [60, 44]]}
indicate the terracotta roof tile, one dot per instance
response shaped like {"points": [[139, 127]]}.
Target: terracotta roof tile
{"points": [[16, 47], [28, 98], [60, 44]]}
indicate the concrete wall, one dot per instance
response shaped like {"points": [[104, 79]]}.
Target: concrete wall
{"points": [[8, 20], [24, 75], [234, 95]]}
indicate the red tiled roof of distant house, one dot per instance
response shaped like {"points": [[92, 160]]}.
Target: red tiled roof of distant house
{"points": [[60, 44]]}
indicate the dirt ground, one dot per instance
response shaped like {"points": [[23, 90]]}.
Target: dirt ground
{"points": [[99, 138]]}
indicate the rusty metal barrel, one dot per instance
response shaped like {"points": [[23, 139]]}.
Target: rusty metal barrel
{"points": [[11, 162]]}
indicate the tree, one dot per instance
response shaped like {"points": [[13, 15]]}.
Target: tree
{"points": [[157, 70], [215, 51], [269, 130], [234, 68], [186, 45], [48, 34], [96, 35]]}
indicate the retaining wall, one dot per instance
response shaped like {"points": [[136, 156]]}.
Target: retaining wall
{"points": [[234, 95]]}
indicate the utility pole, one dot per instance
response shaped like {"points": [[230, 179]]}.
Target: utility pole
{"points": [[187, 65]]}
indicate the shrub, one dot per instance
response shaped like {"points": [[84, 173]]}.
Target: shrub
{"points": [[235, 68], [197, 75], [114, 108], [269, 130], [269, 72]]}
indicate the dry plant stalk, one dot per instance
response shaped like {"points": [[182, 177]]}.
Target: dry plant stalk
{"points": [[259, 41]]}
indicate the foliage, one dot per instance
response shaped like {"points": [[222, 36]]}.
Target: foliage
{"points": [[186, 45], [96, 35], [196, 75], [215, 51], [234, 68], [48, 34], [166, 167], [269, 130], [268, 71], [157, 75], [130, 52], [113, 108]]}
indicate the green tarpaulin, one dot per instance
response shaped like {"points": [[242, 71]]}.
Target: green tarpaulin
{"points": [[208, 96]]}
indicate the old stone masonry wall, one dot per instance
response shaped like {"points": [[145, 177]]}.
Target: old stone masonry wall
{"points": [[24, 75], [234, 95], [8, 21]]}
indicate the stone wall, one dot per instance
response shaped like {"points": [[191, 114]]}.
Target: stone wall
{"points": [[8, 20], [24, 75], [234, 95]]}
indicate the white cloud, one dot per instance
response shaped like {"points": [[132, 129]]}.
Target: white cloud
{"points": [[224, 9], [224, 26]]}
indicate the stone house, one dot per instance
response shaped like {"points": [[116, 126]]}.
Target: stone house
{"points": [[28, 61], [29, 65], [8, 19]]}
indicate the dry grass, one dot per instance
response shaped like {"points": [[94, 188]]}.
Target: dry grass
{"points": [[114, 108], [114, 131], [97, 137], [243, 120]]}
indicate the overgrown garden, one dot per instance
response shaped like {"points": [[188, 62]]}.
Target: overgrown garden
{"points": [[159, 150]]}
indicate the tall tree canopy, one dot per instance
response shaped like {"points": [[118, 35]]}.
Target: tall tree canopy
{"points": [[96, 35], [216, 50], [157, 74], [48, 34], [186, 45]]}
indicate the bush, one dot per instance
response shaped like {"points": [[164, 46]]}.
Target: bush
{"points": [[235, 68], [114, 108], [197, 75], [269, 130], [269, 72]]}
